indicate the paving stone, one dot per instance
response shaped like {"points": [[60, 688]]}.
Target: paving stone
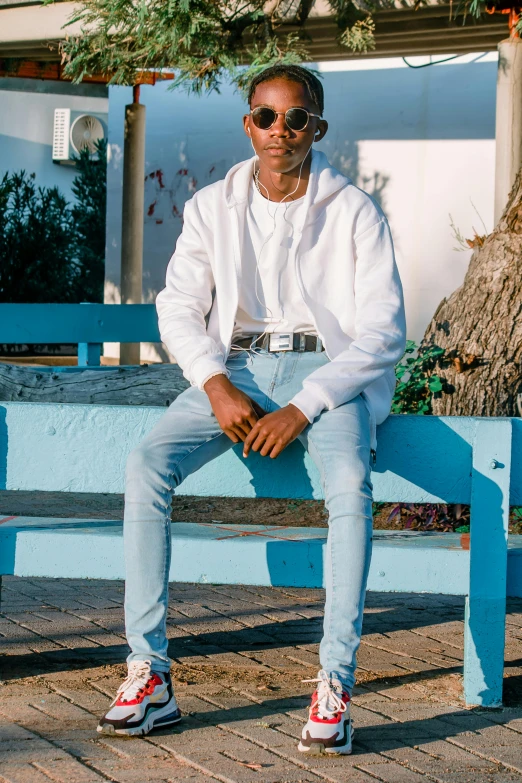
{"points": [[392, 773], [230, 755], [449, 763], [241, 654], [21, 773]]}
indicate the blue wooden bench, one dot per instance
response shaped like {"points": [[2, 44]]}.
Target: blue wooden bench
{"points": [[83, 448], [88, 325]]}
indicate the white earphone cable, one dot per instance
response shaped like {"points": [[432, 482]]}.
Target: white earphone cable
{"points": [[254, 350]]}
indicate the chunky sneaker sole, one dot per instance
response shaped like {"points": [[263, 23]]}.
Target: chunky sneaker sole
{"points": [[154, 720], [316, 746], [328, 729], [145, 701]]}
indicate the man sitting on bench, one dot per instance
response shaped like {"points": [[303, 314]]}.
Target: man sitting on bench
{"points": [[283, 307]]}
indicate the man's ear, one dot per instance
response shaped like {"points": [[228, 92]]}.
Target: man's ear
{"points": [[322, 127]]}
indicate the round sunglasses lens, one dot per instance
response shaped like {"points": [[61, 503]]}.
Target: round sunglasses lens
{"points": [[263, 118], [297, 119]]}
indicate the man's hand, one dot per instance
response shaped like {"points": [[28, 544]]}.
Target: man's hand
{"points": [[236, 413], [275, 431]]}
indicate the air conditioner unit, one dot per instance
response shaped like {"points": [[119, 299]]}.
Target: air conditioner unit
{"points": [[76, 131]]}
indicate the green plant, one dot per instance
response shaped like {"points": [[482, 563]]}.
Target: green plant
{"points": [[50, 250], [204, 40], [416, 382], [37, 234], [516, 520], [440, 517], [90, 190], [431, 516]]}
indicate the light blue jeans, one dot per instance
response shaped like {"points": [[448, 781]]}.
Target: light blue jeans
{"points": [[187, 437]]}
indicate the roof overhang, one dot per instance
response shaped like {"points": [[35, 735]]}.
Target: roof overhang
{"points": [[31, 31]]}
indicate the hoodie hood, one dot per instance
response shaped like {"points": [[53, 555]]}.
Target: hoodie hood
{"points": [[324, 180]]}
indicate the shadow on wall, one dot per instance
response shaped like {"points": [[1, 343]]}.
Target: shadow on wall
{"points": [[453, 101], [8, 542], [167, 190], [343, 154], [3, 448]]}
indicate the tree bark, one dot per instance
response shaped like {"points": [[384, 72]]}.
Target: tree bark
{"points": [[147, 385], [480, 326]]}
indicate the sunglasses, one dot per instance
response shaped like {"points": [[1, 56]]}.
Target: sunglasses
{"points": [[296, 119]]}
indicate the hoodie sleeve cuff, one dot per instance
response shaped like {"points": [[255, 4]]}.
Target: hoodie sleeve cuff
{"points": [[310, 405], [205, 366]]}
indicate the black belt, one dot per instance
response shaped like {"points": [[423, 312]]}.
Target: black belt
{"points": [[288, 341]]}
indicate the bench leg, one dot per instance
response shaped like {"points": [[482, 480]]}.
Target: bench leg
{"points": [[89, 354], [486, 602]]}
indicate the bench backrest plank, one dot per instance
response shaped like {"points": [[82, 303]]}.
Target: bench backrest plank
{"points": [[77, 323], [83, 448]]}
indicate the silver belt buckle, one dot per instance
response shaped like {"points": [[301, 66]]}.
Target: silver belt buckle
{"points": [[281, 342]]}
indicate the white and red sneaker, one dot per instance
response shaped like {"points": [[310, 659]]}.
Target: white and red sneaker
{"points": [[144, 701], [329, 727]]}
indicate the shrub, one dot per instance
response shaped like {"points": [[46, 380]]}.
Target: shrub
{"points": [[51, 251], [37, 235], [416, 382]]}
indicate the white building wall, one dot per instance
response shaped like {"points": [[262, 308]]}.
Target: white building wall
{"points": [[26, 127], [420, 140]]}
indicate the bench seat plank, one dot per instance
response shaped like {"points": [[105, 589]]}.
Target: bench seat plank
{"points": [[403, 561]]}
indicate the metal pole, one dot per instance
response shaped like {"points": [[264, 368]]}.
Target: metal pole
{"points": [[509, 117], [132, 215]]}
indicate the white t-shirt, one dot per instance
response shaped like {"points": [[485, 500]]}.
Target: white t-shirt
{"points": [[269, 234]]}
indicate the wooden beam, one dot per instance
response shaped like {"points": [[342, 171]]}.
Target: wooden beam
{"points": [[52, 71]]}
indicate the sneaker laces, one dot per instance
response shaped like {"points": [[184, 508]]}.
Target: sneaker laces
{"points": [[329, 702], [139, 675]]}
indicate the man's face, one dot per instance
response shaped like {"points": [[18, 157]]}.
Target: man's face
{"points": [[280, 148]]}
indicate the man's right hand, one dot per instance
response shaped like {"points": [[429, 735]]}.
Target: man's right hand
{"points": [[235, 411]]}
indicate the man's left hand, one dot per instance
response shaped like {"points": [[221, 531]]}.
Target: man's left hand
{"points": [[271, 434]]}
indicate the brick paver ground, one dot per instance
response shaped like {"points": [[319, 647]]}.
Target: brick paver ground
{"points": [[239, 655]]}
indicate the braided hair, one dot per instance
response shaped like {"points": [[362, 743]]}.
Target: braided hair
{"points": [[293, 73]]}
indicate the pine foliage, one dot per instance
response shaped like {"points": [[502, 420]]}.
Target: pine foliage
{"points": [[201, 40], [205, 40], [89, 215]]}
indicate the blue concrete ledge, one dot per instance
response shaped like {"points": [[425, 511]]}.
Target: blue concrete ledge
{"points": [[83, 448], [403, 561]]}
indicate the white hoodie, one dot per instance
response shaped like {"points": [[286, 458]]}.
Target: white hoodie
{"points": [[345, 269]]}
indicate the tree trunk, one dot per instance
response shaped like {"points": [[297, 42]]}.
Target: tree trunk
{"points": [[480, 326]]}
